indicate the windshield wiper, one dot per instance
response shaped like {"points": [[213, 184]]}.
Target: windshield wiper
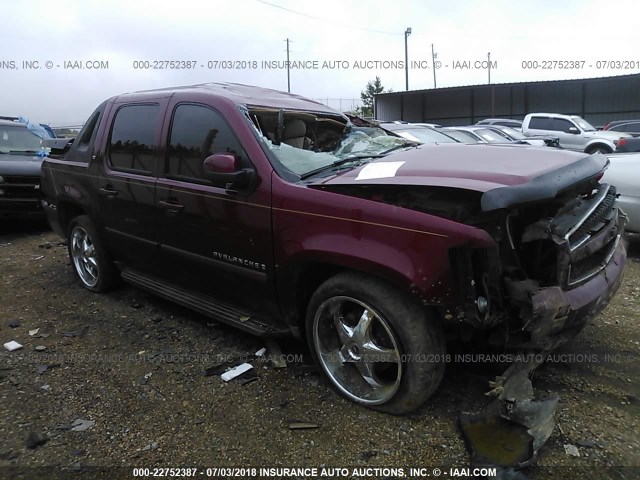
{"points": [[337, 163], [398, 147], [352, 158]]}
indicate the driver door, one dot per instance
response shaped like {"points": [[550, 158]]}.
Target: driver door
{"points": [[213, 240]]}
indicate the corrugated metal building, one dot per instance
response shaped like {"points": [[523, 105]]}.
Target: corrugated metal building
{"points": [[597, 100]]}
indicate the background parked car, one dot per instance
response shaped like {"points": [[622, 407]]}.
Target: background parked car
{"points": [[631, 127], [482, 134], [624, 173], [628, 145], [21, 155], [574, 132], [506, 122], [538, 140], [417, 133]]}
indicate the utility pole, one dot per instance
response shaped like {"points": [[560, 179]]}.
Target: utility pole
{"points": [[288, 74], [489, 65], [407, 32], [433, 65]]}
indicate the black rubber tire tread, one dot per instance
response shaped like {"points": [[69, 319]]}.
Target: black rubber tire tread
{"points": [[418, 333], [108, 275], [599, 148]]}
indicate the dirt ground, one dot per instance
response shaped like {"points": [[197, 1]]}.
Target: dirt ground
{"points": [[135, 365]]}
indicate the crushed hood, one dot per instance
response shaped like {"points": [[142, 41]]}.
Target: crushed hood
{"points": [[505, 174]]}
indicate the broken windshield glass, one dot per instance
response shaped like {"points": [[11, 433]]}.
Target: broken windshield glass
{"points": [[306, 143]]}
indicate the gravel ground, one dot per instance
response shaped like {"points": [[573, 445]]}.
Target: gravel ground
{"points": [[135, 365]]}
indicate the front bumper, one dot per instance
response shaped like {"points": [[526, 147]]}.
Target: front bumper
{"points": [[557, 315]]}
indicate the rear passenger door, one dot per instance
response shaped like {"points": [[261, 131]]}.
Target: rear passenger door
{"points": [[214, 240], [127, 180]]}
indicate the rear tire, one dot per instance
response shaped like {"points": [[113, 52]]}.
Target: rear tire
{"points": [[377, 346], [89, 258]]}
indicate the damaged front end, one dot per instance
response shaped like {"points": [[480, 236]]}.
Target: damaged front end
{"points": [[557, 264]]}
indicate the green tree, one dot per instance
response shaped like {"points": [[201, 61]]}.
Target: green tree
{"points": [[373, 87]]}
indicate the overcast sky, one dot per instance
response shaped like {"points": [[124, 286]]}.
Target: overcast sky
{"points": [[123, 31]]}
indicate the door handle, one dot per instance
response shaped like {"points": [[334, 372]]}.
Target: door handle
{"points": [[108, 191], [171, 206]]}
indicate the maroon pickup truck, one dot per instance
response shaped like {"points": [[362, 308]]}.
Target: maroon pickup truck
{"points": [[277, 215]]}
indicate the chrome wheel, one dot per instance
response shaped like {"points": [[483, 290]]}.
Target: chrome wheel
{"points": [[358, 350], [83, 253]]}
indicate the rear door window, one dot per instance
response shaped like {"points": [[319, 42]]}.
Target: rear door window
{"points": [[540, 123], [132, 146]]}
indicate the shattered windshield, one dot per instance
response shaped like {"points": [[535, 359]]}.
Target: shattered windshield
{"points": [[18, 139], [306, 143]]}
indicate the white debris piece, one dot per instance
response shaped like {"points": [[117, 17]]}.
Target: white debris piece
{"points": [[572, 450], [34, 331], [12, 345], [261, 352], [236, 371], [81, 425]]}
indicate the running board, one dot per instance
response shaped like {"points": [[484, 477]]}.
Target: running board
{"points": [[204, 304]]}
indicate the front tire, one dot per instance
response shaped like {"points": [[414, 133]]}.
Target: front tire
{"points": [[377, 346], [599, 149], [89, 258]]}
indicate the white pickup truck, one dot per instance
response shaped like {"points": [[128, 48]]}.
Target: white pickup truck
{"points": [[573, 131]]}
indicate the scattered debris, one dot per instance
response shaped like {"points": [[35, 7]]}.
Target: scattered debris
{"points": [[36, 439], [40, 348], [34, 332], [40, 369], [368, 455], [261, 352], [276, 358], [571, 449], [302, 426], [14, 323], [220, 368], [46, 245], [151, 446], [510, 431], [12, 345], [69, 334], [249, 376], [586, 443], [81, 425], [236, 371], [40, 257], [45, 387]]}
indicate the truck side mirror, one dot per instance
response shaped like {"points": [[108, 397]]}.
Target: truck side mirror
{"points": [[574, 130], [225, 168]]}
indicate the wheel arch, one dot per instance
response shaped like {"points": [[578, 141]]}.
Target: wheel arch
{"points": [[599, 143], [302, 279]]}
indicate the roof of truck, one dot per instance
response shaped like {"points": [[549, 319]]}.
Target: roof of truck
{"points": [[249, 95]]}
